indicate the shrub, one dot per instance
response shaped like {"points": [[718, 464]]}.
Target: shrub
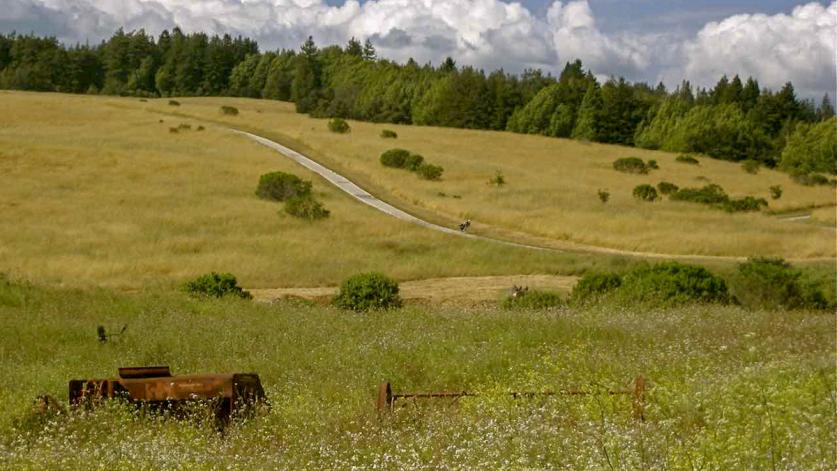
{"points": [[388, 134], [395, 158], [217, 285], [652, 164], [413, 162], [534, 300], [430, 171], [671, 283], [594, 285], [604, 196], [745, 204], [338, 125], [667, 188], [184, 126], [709, 194], [280, 186], [229, 110], [498, 179], [306, 207], [751, 166], [771, 283], [645, 193], [174, 103], [687, 159], [630, 165], [810, 179], [776, 191], [174, 130], [368, 291], [201, 128]]}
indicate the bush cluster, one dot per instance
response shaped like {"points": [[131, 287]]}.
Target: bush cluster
{"points": [[281, 186], [368, 291], [534, 300], [715, 196], [389, 134], [810, 179], [338, 125], [216, 285], [745, 204], [772, 283], [306, 207], [404, 159], [667, 188], [229, 110], [630, 165], [645, 192], [663, 284], [687, 159], [751, 166]]}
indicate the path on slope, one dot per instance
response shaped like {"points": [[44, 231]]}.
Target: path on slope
{"points": [[365, 197]]}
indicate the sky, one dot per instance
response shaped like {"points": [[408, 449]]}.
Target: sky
{"points": [[642, 40]]}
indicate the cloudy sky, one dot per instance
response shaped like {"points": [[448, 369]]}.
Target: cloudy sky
{"points": [[651, 40]]}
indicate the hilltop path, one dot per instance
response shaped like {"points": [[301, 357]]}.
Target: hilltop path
{"points": [[367, 198]]}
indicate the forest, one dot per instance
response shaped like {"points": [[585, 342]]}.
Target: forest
{"points": [[735, 120]]}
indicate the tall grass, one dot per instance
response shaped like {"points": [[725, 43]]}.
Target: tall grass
{"points": [[729, 389]]}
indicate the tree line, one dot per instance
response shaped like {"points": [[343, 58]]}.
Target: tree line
{"points": [[734, 120]]}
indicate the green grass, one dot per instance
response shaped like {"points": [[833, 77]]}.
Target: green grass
{"points": [[729, 389]]}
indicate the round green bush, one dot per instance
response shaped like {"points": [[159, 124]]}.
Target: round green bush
{"points": [[645, 192], [413, 162], [388, 134], [652, 165], [671, 283], [630, 165], [306, 207], [395, 158], [368, 291], [338, 125], [667, 188], [216, 285], [281, 186], [776, 191], [430, 171], [534, 300]]}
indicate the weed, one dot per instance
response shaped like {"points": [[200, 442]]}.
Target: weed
{"points": [[498, 179]]}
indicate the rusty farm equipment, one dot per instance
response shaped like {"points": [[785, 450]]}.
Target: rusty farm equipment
{"points": [[386, 398], [154, 386]]}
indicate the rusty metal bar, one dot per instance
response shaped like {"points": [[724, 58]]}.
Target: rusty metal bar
{"points": [[386, 398]]}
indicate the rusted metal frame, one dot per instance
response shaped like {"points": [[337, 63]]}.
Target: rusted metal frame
{"points": [[386, 399]]}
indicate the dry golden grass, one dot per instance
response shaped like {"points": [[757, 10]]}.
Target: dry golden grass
{"points": [[552, 185], [95, 190]]}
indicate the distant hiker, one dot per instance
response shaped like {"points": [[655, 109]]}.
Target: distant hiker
{"points": [[465, 225]]}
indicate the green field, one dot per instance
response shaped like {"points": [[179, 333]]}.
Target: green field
{"points": [[105, 212]]}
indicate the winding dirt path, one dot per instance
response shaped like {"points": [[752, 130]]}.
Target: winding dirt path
{"points": [[367, 198]]}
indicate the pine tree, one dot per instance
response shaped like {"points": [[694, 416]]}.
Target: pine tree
{"points": [[589, 115], [826, 109], [353, 48]]}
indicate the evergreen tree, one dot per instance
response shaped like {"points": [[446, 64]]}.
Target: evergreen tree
{"points": [[826, 109], [589, 115]]}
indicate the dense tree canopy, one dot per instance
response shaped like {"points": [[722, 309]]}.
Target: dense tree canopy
{"points": [[735, 120]]}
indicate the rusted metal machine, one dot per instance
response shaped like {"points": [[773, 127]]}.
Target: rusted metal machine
{"points": [[155, 386], [386, 398]]}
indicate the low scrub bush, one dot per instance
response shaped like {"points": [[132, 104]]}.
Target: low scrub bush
{"points": [[229, 110], [709, 194], [687, 159], [389, 134], [174, 103], [368, 291], [594, 285], [184, 127], [751, 166], [652, 164], [430, 171], [630, 165], [174, 130], [534, 300], [338, 125], [306, 207], [201, 128], [413, 162], [281, 186], [667, 188], [810, 179], [745, 204], [772, 283], [604, 196], [645, 193], [216, 285], [498, 179], [776, 191], [395, 158]]}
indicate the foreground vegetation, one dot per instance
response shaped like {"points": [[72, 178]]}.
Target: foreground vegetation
{"points": [[729, 388]]}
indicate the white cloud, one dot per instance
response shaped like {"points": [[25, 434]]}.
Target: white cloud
{"points": [[485, 33], [799, 47]]}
